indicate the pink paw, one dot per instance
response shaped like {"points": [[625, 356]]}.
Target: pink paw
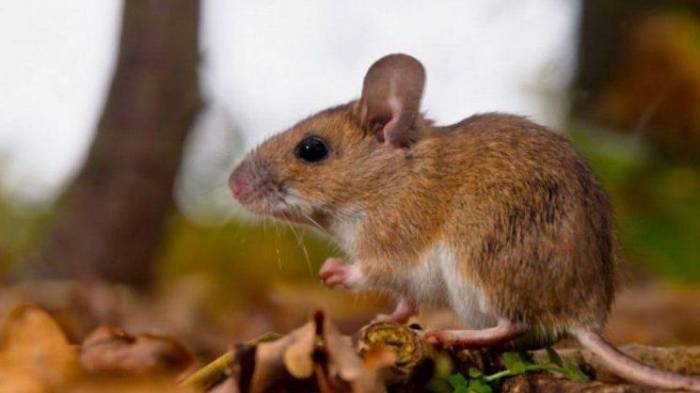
{"points": [[403, 312], [334, 272], [391, 318], [388, 318]]}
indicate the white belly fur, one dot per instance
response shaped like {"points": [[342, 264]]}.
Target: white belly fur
{"points": [[437, 281]]}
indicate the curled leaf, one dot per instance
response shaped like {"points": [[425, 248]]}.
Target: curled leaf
{"points": [[343, 361], [109, 349], [298, 354], [409, 348], [35, 355]]}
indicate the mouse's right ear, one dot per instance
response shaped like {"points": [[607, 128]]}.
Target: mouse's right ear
{"points": [[390, 103]]}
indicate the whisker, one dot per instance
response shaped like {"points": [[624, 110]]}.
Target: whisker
{"points": [[300, 242], [308, 217], [277, 248]]}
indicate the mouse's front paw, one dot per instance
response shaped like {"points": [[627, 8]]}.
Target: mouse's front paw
{"points": [[334, 272]]}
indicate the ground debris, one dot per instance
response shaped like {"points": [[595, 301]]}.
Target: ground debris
{"points": [[110, 349], [391, 357], [36, 357]]}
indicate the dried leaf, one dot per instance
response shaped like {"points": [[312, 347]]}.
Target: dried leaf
{"points": [[342, 358], [227, 386], [406, 343], [272, 362], [109, 349], [133, 384], [375, 364], [298, 355], [315, 356], [35, 355], [338, 368]]}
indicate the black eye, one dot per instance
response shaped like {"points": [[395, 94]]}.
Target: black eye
{"points": [[311, 149]]}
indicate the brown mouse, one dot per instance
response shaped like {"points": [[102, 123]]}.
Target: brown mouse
{"points": [[495, 217]]}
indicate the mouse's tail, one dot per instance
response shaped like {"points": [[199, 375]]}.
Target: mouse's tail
{"points": [[630, 369]]}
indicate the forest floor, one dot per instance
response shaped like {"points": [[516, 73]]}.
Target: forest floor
{"points": [[647, 312]]}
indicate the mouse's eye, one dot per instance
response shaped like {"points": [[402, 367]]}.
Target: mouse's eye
{"points": [[311, 149]]}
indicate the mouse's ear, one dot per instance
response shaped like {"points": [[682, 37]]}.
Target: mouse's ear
{"points": [[390, 102]]}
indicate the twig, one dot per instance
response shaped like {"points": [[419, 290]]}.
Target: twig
{"points": [[212, 373]]}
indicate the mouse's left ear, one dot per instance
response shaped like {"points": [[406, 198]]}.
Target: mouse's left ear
{"points": [[390, 102]]}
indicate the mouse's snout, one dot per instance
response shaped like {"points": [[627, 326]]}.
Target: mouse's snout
{"points": [[237, 185], [240, 182], [253, 185]]}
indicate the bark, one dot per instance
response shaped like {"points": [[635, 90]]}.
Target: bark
{"points": [[112, 217]]}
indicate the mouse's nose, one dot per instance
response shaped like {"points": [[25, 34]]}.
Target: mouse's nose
{"points": [[237, 185]]}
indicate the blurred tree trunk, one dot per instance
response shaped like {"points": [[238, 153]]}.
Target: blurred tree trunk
{"points": [[609, 46], [639, 71], [112, 217]]}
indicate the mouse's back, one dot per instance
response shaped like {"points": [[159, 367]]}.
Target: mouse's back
{"points": [[530, 223]]}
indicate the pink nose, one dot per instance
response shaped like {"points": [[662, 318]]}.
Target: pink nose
{"points": [[236, 186], [237, 190]]}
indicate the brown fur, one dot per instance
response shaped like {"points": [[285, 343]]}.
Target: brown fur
{"points": [[495, 216], [529, 223], [532, 224]]}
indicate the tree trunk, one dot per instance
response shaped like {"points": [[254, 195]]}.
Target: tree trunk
{"points": [[604, 36], [112, 217]]}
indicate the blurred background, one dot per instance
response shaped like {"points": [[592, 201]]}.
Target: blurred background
{"points": [[120, 122]]}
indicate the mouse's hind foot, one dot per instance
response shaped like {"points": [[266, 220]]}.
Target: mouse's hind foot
{"points": [[404, 310], [504, 332]]}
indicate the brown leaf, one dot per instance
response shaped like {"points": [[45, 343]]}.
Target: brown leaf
{"points": [[35, 355], [272, 360], [343, 360], [314, 357], [109, 349], [376, 362], [227, 386], [133, 384], [293, 356], [298, 355]]}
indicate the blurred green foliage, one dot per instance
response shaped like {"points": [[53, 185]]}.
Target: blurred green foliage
{"points": [[656, 200], [242, 258], [21, 228]]}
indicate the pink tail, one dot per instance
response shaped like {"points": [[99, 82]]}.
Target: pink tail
{"points": [[630, 369]]}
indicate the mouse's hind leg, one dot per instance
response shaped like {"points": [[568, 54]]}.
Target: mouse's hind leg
{"points": [[503, 332], [405, 309]]}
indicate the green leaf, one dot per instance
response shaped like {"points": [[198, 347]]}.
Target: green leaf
{"points": [[439, 385], [574, 373], [478, 386], [443, 366], [457, 380], [475, 372], [513, 363], [554, 357], [508, 358]]}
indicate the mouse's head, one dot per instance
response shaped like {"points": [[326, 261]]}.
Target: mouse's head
{"points": [[342, 157]]}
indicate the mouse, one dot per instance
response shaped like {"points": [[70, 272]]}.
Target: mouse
{"points": [[495, 217]]}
